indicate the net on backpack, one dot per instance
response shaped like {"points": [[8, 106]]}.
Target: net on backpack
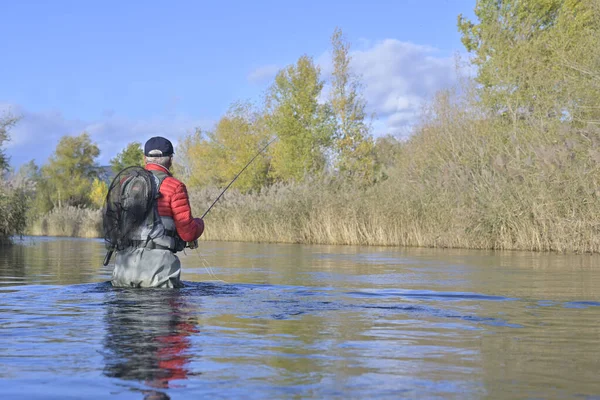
{"points": [[129, 204]]}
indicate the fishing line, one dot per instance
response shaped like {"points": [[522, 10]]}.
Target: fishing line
{"points": [[209, 269]]}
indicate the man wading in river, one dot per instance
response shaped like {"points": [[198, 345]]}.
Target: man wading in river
{"points": [[147, 219]]}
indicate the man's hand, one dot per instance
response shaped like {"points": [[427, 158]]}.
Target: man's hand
{"points": [[200, 226]]}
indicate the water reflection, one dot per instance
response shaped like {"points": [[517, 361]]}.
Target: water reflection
{"points": [[43, 260], [148, 338]]}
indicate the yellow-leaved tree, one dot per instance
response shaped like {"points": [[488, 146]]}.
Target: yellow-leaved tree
{"points": [[98, 192], [214, 158], [69, 173]]}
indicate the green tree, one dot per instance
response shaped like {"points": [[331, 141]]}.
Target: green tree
{"points": [[13, 194], [132, 155], [536, 56], [13, 211], [7, 121], [354, 144], [304, 126], [68, 176]]}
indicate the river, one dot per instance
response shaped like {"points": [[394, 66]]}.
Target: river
{"points": [[262, 321]]}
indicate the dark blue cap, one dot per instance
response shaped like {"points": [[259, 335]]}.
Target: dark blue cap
{"points": [[158, 146]]}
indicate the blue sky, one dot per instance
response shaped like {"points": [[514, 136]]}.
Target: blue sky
{"points": [[128, 70]]}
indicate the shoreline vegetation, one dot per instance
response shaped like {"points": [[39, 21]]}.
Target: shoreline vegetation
{"points": [[509, 159]]}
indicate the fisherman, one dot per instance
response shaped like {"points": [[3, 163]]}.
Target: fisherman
{"points": [[153, 263]]}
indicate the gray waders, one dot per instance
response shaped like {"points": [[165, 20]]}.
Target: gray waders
{"points": [[144, 267]]}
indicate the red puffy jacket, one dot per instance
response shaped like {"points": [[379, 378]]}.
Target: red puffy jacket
{"points": [[174, 203]]}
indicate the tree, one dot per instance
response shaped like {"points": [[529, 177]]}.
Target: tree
{"points": [[238, 136], [98, 192], [190, 164], [304, 126], [14, 196], [70, 171], [7, 121], [536, 56], [26, 178], [214, 158], [388, 150], [132, 155], [354, 144]]}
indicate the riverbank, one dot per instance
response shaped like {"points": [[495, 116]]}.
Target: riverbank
{"points": [[68, 222], [391, 213], [460, 181]]}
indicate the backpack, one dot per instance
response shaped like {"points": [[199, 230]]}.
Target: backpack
{"points": [[130, 214]]}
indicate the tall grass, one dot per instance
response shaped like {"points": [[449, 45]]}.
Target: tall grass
{"points": [[68, 221]]}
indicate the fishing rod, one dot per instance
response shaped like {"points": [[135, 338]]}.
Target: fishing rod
{"points": [[239, 173]]}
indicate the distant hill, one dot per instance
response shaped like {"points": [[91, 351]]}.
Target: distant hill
{"points": [[105, 173]]}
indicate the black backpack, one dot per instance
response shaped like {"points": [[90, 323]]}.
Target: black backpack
{"points": [[130, 213]]}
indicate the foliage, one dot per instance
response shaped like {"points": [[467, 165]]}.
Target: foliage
{"points": [[98, 193], [304, 126], [132, 155], [457, 182], [354, 145], [67, 178], [7, 121], [469, 176], [190, 163], [537, 57], [13, 208], [388, 151], [13, 196], [214, 158]]}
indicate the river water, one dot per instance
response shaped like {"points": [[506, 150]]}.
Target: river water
{"points": [[262, 321]]}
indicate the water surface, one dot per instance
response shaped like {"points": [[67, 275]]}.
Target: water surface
{"points": [[293, 321]]}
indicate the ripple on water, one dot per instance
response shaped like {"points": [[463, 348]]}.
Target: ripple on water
{"points": [[298, 321]]}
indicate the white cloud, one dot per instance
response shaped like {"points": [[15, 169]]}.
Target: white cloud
{"points": [[399, 77], [37, 133], [263, 74]]}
